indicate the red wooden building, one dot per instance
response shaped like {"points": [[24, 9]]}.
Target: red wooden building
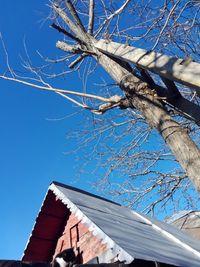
{"points": [[101, 231]]}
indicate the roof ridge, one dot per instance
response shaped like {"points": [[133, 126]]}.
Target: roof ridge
{"points": [[84, 192]]}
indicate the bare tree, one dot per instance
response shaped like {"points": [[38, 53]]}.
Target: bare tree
{"points": [[146, 103]]}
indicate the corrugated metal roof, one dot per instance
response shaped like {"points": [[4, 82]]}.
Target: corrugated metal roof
{"points": [[129, 234]]}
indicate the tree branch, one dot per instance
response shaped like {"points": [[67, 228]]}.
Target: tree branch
{"points": [[110, 103], [74, 14], [49, 88], [117, 12], [91, 17], [60, 29], [77, 60], [80, 34], [172, 88], [165, 25], [75, 49]]}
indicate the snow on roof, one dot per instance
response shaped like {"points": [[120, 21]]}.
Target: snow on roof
{"points": [[129, 234]]}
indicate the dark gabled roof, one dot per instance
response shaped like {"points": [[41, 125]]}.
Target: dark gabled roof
{"points": [[128, 235]]}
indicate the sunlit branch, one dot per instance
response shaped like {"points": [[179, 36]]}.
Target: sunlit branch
{"points": [[91, 17], [165, 25], [77, 60], [108, 19], [73, 100], [100, 98], [79, 33], [75, 49], [6, 54]]}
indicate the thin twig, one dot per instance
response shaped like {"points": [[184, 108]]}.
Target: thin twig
{"points": [[6, 54], [165, 25], [117, 12], [73, 100]]}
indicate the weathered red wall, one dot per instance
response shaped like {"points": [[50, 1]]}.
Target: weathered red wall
{"points": [[77, 235]]}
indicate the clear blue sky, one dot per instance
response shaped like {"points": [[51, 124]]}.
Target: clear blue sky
{"points": [[31, 146]]}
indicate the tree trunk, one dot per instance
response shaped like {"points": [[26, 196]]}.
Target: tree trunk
{"points": [[143, 99]]}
